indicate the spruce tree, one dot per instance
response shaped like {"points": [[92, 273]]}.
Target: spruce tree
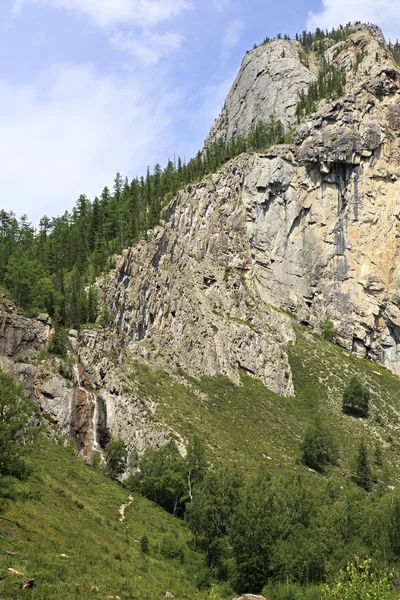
{"points": [[362, 468]]}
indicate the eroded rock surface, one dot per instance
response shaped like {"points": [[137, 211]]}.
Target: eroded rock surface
{"points": [[310, 228]]}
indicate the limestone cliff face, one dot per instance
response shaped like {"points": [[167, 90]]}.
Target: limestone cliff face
{"points": [[311, 227]]}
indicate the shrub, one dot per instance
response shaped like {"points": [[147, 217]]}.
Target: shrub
{"points": [[327, 330], [362, 468], [360, 581], [356, 399], [59, 342], [317, 447], [171, 547], [144, 544]]}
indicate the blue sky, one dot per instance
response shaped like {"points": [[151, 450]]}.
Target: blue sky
{"points": [[92, 87]]}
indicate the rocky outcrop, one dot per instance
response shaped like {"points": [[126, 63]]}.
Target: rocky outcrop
{"points": [[268, 84], [65, 400], [21, 337], [187, 297], [105, 362], [273, 75], [308, 230]]}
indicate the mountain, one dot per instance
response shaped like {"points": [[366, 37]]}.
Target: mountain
{"points": [[269, 286], [304, 231]]}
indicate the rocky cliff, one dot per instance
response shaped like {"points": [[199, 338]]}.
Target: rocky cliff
{"points": [[269, 82], [311, 227]]}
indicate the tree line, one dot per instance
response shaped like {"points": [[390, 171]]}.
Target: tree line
{"points": [[314, 41]]}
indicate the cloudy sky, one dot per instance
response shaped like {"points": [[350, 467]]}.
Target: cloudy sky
{"points": [[92, 87]]}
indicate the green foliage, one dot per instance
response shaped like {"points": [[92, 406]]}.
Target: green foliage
{"points": [[330, 85], [116, 456], [171, 547], [359, 581], [356, 399], [328, 331], [162, 478], [53, 268], [251, 535], [144, 544], [92, 536], [395, 50], [362, 467], [196, 462], [317, 447], [167, 478], [211, 511], [59, 344], [15, 435]]}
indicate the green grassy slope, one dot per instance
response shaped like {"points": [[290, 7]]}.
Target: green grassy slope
{"points": [[74, 510], [248, 425]]}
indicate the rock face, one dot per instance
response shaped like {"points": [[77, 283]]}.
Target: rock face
{"points": [[188, 297], [269, 83], [311, 227], [21, 337], [67, 401]]}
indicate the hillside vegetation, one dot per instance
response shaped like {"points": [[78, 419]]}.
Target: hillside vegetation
{"points": [[253, 442], [71, 537], [249, 425]]}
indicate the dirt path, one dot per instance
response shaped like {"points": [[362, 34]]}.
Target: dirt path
{"points": [[123, 507]]}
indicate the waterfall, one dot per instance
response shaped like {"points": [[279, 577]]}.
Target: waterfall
{"points": [[76, 377], [95, 445], [84, 419]]}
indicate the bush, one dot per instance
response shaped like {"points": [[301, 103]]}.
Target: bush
{"points": [[279, 591], [58, 344], [144, 544], [327, 330], [360, 581], [356, 399], [317, 447], [172, 548], [362, 468]]}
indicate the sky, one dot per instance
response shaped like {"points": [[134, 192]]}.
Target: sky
{"points": [[92, 87]]}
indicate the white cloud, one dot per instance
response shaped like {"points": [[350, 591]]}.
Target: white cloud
{"points": [[106, 13], [222, 5], [149, 47], [232, 34], [71, 130], [384, 13]]}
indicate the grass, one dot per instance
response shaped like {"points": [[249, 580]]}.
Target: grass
{"points": [[249, 425], [73, 510]]}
